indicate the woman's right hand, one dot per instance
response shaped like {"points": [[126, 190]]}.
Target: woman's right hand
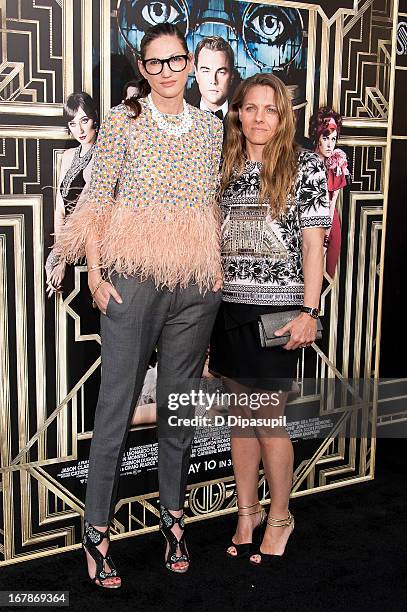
{"points": [[55, 277], [103, 293]]}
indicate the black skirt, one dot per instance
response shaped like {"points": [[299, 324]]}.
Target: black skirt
{"points": [[236, 352]]}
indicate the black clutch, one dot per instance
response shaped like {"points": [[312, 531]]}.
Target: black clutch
{"points": [[269, 323]]}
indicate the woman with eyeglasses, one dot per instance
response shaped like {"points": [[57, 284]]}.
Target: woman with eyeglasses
{"points": [[157, 235]]}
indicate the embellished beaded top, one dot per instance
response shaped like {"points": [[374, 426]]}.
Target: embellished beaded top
{"points": [[262, 256], [151, 200], [158, 169]]}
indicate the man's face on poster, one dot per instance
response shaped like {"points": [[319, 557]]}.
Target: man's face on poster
{"points": [[214, 76]]}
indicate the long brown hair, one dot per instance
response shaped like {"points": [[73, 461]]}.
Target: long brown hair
{"points": [[280, 153], [161, 29]]}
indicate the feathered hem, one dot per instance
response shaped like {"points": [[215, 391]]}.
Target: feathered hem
{"points": [[88, 220], [179, 246]]}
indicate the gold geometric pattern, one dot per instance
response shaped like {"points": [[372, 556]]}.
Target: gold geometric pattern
{"points": [[366, 58], [31, 27], [21, 172]]}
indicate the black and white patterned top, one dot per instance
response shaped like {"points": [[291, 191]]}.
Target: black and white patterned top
{"points": [[262, 257]]}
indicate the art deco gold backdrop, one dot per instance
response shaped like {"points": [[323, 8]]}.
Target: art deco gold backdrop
{"points": [[50, 48]]}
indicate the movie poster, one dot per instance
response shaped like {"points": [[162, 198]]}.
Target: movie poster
{"points": [[258, 37]]}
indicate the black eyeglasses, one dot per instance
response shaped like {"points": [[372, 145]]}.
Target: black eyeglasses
{"points": [[176, 63]]}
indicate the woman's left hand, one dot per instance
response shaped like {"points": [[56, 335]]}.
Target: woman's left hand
{"points": [[302, 330]]}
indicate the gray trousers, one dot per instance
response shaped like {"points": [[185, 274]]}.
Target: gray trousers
{"points": [[179, 323]]}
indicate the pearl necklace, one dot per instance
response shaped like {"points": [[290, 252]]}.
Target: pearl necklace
{"points": [[174, 129]]}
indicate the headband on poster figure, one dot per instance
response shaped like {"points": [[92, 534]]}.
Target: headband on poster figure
{"points": [[331, 124]]}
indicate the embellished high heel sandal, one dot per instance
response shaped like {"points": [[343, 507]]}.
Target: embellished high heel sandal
{"points": [[92, 537], [243, 550], [268, 559], [167, 521]]}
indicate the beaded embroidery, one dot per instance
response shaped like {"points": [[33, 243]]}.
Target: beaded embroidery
{"points": [[161, 220], [175, 125], [158, 169]]}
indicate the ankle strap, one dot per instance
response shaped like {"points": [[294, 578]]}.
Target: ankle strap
{"points": [[257, 505], [94, 535], [284, 522], [169, 520]]}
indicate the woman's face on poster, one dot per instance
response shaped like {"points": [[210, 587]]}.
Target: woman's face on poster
{"points": [[81, 127], [327, 144], [258, 115]]}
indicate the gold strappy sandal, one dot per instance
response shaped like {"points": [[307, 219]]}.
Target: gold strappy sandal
{"points": [[243, 550], [265, 558]]}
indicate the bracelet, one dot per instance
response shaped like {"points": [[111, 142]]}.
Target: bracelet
{"points": [[94, 267], [102, 280]]}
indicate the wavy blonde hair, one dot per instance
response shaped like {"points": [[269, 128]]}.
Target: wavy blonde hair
{"points": [[280, 153]]}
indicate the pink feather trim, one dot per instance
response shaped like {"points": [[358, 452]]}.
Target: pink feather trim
{"points": [[171, 246]]}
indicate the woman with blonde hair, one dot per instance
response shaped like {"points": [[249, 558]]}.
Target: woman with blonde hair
{"points": [[275, 209]]}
